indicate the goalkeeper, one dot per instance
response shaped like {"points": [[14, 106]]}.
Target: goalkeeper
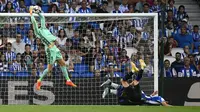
{"points": [[53, 53]]}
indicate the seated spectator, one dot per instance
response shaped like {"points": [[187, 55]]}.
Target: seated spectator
{"points": [[99, 66], [34, 71], [148, 70], [124, 62], [9, 7], [171, 6], [75, 38], [3, 5], [4, 66], [103, 8], [8, 31], [124, 6], [53, 9], [89, 39], [146, 8], [90, 57], [183, 23], [112, 66], [193, 62], [116, 8], [37, 44], [63, 6], [84, 8], [169, 45], [54, 29], [69, 30], [18, 65], [170, 18], [186, 52], [181, 14], [187, 70], [110, 5], [18, 46], [10, 55], [3, 45], [134, 59], [155, 7], [130, 9], [22, 7], [27, 55], [21, 29], [139, 5], [167, 69], [35, 56], [177, 65], [29, 39], [61, 37], [72, 10], [184, 39], [196, 33]]}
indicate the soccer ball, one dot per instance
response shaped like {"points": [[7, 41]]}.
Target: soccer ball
{"points": [[36, 9]]}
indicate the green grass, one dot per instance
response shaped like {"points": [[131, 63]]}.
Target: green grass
{"points": [[83, 108]]}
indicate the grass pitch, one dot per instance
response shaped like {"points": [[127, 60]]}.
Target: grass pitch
{"points": [[90, 108]]}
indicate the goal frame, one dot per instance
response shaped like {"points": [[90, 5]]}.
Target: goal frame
{"points": [[155, 22]]}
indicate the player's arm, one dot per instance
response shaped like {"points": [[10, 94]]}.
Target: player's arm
{"points": [[35, 25], [42, 19]]}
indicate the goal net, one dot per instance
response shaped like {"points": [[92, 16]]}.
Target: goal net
{"points": [[95, 47]]}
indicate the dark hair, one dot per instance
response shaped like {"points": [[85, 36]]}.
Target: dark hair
{"points": [[170, 1], [195, 26], [169, 11], [27, 45], [60, 31], [178, 53], [12, 8], [116, 3], [69, 40], [167, 60], [105, 2], [8, 44], [181, 6], [146, 4]]}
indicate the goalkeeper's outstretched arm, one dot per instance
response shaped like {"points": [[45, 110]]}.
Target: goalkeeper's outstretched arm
{"points": [[35, 25], [42, 19]]}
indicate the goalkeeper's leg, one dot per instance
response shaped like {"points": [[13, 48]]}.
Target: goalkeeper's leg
{"points": [[45, 72], [63, 67]]}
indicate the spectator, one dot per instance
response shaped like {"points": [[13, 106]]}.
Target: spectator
{"points": [[184, 39], [124, 6], [146, 8], [37, 44], [75, 38], [69, 31], [18, 46], [41, 67], [99, 66], [22, 7], [29, 39], [187, 70], [35, 57], [2, 5], [103, 8], [186, 52], [53, 9], [116, 8], [167, 69], [10, 55], [170, 18], [177, 65], [110, 5], [54, 29], [63, 6], [3, 45], [124, 62], [34, 71], [155, 7], [4, 67], [61, 37], [130, 9], [196, 33], [169, 45], [171, 6], [73, 10], [181, 14], [112, 66], [148, 70], [89, 39], [8, 30], [84, 8], [21, 29], [183, 23], [193, 63], [27, 55], [9, 7], [18, 66], [139, 5]]}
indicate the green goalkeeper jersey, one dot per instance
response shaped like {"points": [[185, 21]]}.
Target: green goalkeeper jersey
{"points": [[43, 33]]}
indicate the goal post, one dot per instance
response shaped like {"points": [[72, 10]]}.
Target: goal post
{"points": [[63, 18]]}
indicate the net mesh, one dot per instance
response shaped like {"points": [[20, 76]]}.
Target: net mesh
{"points": [[94, 48]]}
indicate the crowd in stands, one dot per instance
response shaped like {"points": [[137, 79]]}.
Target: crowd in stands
{"points": [[91, 51]]}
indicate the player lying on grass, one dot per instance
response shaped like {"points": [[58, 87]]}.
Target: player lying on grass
{"points": [[48, 39], [131, 94]]}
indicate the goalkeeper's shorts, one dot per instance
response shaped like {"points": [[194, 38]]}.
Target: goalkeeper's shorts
{"points": [[53, 54]]}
